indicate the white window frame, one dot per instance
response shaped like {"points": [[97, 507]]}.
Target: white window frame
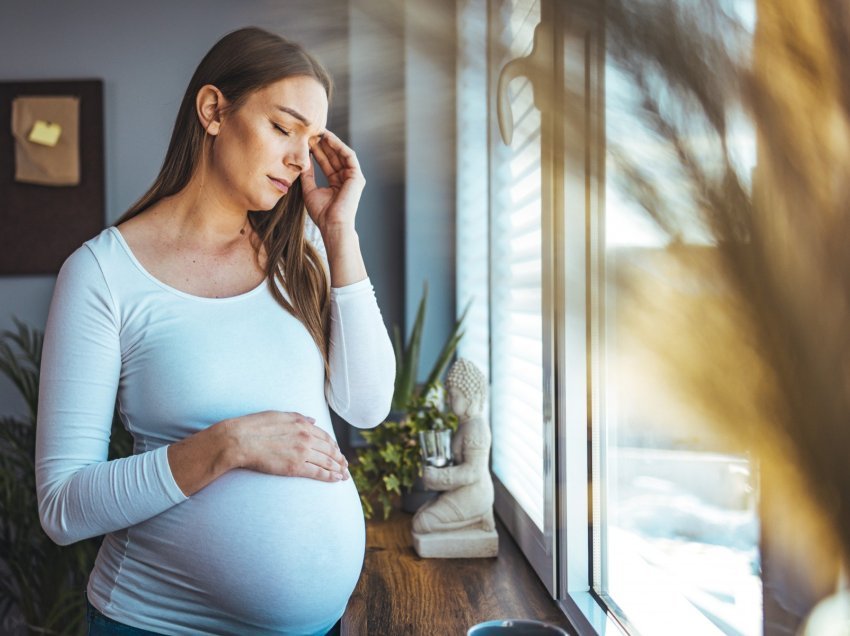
{"points": [[579, 138]]}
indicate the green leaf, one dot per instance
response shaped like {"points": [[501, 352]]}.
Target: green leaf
{"points": [[367, 462], [387, 504], [392, 484], [410, 365], [22, 368], [390, 453]]}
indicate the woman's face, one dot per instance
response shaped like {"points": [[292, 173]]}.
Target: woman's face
{"points": [[264, 146]]}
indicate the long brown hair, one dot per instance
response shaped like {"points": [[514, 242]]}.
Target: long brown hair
{"points": [[239, 64]]}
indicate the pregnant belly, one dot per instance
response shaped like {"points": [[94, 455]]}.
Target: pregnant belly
{"points": [[274, 552]]}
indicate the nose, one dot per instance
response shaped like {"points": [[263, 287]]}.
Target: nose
{"points": [[298, 158]]}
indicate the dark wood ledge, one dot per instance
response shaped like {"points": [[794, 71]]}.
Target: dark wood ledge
{"points": [[400, 594]]}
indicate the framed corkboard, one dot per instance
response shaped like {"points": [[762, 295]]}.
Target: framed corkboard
{"points": [[40, 225]]}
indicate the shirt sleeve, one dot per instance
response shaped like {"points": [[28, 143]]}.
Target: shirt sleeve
{"points": [[362, 362], [80, 493]]}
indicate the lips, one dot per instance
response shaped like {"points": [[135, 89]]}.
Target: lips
{"points": [[281, 184]]}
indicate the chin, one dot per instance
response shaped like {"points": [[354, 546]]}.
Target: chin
{"points": [[267, 204]]}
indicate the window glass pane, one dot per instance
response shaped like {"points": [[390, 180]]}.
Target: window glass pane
{"points": [[516, 318], [676, 527]]}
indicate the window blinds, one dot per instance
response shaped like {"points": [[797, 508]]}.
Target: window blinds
{"points": [[515, 275]]}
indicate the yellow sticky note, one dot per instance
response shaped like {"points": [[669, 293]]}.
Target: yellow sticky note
{"points": [[45, 133]]}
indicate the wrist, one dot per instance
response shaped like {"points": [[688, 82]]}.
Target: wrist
{"points": [[230, 450], [338, 233]]}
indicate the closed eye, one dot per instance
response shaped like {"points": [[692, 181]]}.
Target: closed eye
{"points": [[282, 130]]}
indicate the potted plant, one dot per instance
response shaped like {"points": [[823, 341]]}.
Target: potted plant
{"points": [[390, 466], [42, 584]]}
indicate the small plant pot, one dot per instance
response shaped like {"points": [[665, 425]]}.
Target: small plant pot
{"points": [[436, 447]]}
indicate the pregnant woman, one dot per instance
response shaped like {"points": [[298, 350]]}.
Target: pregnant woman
{"points": [[226, 311]]}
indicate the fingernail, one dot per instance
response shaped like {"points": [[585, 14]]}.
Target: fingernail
{"points": [[337, 477]]}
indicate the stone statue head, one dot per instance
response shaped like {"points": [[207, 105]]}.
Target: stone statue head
{"points": [[466, 388]]}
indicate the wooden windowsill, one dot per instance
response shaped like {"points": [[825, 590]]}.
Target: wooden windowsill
{"points": [[401, 594]]}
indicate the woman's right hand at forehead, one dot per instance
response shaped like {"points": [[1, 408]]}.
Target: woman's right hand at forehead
{"points": [[287, 444]]}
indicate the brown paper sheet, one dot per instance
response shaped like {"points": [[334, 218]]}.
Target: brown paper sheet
{"points": [[44, 165]]}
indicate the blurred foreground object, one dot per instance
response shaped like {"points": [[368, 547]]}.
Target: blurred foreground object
{"points": [[763, 357], [831, 617]]}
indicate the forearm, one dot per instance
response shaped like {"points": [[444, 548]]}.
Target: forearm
{"points": [[344, 257], [203, 457], [362, 364], [82, 497], [79, 499]]}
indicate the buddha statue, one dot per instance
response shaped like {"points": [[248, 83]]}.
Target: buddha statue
{"points": [[459, 523]]}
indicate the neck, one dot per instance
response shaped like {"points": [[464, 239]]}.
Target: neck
{"points": [[199, 218]]}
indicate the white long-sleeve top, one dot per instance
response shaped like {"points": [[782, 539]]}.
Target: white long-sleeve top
{"points": [[251, 553]]}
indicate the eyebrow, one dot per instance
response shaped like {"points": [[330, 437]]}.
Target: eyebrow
{"points": [[298, 116]]}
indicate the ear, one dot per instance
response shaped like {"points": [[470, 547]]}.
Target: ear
{"points": [[209, 104]]}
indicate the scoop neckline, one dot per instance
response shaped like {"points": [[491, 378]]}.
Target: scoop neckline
{"points": [[179, 292]]}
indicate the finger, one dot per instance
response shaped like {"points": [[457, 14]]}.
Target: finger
{"points": [[324, 441], [308, 179], [311, 471], [320, 459], [350, 176], [319, 433], [344, 152], [330, 151], [330, 448], [351, 189], [299, 418], [307, 432], [323, 161]]}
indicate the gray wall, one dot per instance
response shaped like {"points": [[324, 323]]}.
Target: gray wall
{"points": [[430, 58], [403, 122], [377, 135], [394, 70]]}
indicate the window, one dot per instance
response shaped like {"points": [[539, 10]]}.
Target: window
{"points": [[635, 516], [675, 523]]}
